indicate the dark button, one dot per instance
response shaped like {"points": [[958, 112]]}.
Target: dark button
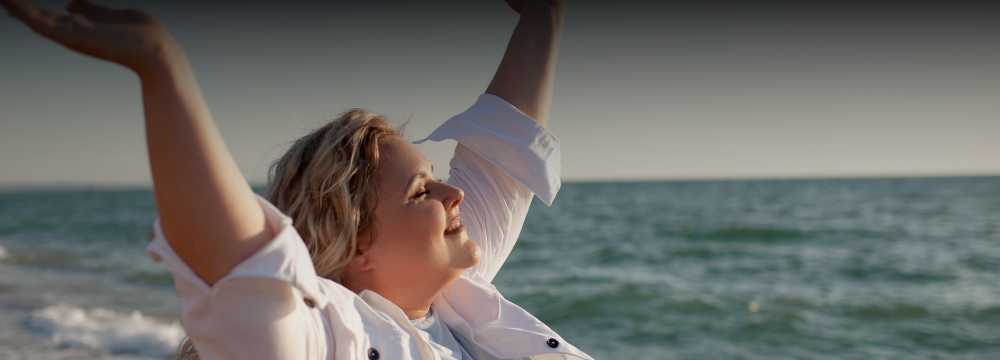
{"points": [[372, 354], [309, 302], [553, 343]]}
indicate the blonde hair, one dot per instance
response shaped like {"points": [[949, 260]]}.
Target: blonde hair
{"points": [[326, 183]]}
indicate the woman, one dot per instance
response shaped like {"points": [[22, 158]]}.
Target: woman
{"points": [[375, 258]]}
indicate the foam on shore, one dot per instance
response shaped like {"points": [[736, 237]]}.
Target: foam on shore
{"points": [[105, 330]]}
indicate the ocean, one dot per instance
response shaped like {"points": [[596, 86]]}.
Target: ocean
{"points": [[899, 268]]}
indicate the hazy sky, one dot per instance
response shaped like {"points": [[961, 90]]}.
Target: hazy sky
{"points": [[644, 90]]}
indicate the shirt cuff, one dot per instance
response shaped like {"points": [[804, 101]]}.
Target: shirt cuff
{"points": [[513, 141], [284, 258]]}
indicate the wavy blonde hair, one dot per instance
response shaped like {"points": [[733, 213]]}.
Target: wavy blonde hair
{"points": [[326, 183]]}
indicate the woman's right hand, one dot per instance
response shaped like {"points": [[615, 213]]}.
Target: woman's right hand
{"points": [[129, 37], [207, 209]]}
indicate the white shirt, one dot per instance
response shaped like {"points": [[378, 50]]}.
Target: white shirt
{"points": [[434, 330], [274, 306]]}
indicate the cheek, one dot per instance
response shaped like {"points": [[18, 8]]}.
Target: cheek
{"points": [[414, 237], [424, 222]]}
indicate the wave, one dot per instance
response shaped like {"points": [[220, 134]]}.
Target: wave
{"points": [[52, 258], [151, 278], [105, 330], [732, 233], [752, 233]]}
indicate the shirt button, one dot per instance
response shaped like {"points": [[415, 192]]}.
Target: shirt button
{"points": [[553, 343], [309, 302], [372, 354]]}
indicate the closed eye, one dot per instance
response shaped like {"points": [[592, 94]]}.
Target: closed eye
{"points": [[421, 194], [425, 191]]}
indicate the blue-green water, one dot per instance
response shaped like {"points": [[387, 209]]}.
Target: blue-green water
{"points": [[777, 269]]}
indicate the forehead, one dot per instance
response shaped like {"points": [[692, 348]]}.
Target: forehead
{"points": [[400, 161]]}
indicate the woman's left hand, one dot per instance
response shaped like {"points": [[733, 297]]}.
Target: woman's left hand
{"points": [[523, 7], [526, 73], [129, 37]]}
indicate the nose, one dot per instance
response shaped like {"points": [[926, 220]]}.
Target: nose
{"points": [[453, 196]]}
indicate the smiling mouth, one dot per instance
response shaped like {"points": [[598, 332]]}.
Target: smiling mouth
{"points": [[456, 226]]}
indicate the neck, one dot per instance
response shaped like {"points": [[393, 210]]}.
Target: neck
{"points": [[413, 314], [414, 305], [414, 302]]}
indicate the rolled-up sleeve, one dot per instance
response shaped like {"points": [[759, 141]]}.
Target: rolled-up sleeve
{"points": [[265, 308], [503, 157]]}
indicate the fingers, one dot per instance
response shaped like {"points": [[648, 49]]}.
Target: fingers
{"points": [[8, 4], [19, 9], [45, 22], [87, 8], [39, 20], [74, 22]]}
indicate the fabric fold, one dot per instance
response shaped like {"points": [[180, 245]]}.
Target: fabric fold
{"points": [[513, 141], [271, 261]]}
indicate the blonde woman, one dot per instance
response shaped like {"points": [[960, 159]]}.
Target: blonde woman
{"points": [[358, 252]]}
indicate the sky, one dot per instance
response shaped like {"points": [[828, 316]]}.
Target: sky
{"points": [[644, 90]]}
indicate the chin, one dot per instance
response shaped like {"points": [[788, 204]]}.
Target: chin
{"points": [[477, 253], [469, 255]]}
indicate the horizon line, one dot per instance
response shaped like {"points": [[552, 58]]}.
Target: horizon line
{"points": [[55, 187]]}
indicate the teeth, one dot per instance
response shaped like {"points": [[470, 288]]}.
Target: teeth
{"points": [[454, 225]]}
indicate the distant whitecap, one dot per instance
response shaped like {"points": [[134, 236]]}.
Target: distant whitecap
{"points": [[106, 330]]}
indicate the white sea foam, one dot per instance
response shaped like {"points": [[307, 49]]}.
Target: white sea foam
{"points": [[106, 330], [3, 253]]}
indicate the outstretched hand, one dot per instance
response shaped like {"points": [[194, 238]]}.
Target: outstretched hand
{"points": [[524, 7], [526, 73], [129, 37]]}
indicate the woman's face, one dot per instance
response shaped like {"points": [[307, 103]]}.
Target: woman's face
{"points": [[420, 244]]}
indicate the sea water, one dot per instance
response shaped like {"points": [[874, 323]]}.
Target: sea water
{"points": [[905, 268]]}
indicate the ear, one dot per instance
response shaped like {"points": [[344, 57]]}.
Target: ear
{"points": [[360, 261]]}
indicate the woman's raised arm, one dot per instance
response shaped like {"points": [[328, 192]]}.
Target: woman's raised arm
{"points": [[527, 72], [207, 210]]}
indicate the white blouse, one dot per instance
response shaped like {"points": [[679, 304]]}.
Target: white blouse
{"points": [[274, 306]]}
